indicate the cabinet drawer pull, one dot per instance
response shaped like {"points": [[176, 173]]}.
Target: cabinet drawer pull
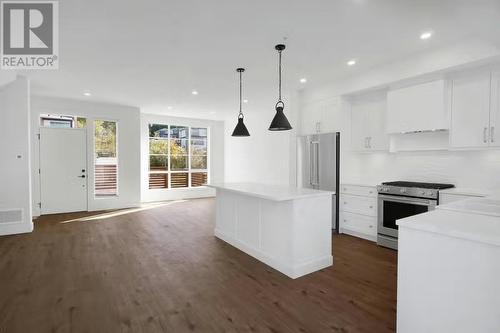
{"points": [[492, 133], [370, 226], [485, 135], [371, 207]]}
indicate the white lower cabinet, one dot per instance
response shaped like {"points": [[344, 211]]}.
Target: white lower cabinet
{"points": [[358, 211]]}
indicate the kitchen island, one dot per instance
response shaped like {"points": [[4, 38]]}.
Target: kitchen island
{"points": [[449, 268], [289, 229]]}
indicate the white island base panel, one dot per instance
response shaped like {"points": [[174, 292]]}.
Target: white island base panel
{"points": [[292, 236], [448, 273]]}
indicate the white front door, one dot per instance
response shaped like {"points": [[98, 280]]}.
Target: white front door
{"points": [[63, 170]]}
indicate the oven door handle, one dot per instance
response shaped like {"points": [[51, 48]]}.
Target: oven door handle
{"points": [[416, 201]]}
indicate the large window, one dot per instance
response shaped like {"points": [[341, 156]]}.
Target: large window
{"points": [[177, 156], [106, 158]]}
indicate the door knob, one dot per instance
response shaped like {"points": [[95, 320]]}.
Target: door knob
{"points": [[83, 170], [82, 176]]}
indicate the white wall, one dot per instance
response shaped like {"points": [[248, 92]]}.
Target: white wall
{"points": [[7, 76], [129, 172], [215, 158], [265, 156], [15, 174], [477, 169]]}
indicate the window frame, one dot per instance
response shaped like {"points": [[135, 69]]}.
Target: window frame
{"points": [[189, 171]]}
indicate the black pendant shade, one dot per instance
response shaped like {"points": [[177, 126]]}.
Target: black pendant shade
{"points": [[280, 122], [240, 129]]}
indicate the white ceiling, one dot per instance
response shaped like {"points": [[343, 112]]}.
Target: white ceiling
{"points": [[153, 53]]}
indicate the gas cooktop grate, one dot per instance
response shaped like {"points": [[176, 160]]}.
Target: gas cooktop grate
{"points": [[436, 186]]}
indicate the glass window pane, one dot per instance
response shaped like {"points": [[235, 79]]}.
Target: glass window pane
{"points": [[158, 146], [198, 132], [198, 179], [106, 160], [199, 162], [158, 131], [158, 162], [179, 132], [158, 180], [105, 138], [199, 147], [179, 180], [178, 163], [178, 146], [81, 122]]}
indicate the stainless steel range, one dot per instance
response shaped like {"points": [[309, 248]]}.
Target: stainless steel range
{"points": [[397, 200]]}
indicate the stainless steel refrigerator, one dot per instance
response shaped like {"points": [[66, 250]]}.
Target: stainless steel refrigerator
{"points": [[318, 160]]}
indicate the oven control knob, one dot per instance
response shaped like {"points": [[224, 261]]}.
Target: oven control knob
{"points": [[429, 194], [423, 193], [403, 190]]}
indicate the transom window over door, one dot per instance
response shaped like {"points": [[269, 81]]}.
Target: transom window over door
{"points": [[177, 156]]}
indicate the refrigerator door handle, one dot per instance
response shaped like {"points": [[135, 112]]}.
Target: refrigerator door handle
{"points": [[315, 163], [310, 163]]}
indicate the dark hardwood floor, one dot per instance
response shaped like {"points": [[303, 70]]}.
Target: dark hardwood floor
{"points": [[162, 270]]}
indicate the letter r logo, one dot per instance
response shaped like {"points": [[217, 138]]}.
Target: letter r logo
{"points": [[27, 28]]}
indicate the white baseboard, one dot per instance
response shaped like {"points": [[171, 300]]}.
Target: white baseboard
{"points": [[358, 234], [293, 271], [15, 228]]}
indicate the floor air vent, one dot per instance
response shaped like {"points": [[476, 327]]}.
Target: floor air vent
{"points": [[11, 216]]}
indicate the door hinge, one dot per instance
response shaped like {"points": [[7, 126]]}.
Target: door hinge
{"points": [[38, 136], [39, 172], [40, 205]]}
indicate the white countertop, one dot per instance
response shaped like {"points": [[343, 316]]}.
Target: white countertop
{"points": [[476, 192], [360, 184], [459, 224], [477, 205], [271, 192]]}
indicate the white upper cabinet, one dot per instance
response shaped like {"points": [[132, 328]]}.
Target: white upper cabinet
{"points": [[470, 111], [368, 123], [416, 108], [320, 116]]}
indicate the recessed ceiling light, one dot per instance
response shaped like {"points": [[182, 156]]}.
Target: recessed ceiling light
{"points": [[169, 108], [351, 62], [87, 93], [303, 80], [213, 112], [194, 92], [245, 101], [426, 35]]}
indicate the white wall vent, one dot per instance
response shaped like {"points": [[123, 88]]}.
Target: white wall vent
{"points": [[11, 216]]}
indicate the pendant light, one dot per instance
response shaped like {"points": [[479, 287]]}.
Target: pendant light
{"points": [[240, 129], [279, 123]]}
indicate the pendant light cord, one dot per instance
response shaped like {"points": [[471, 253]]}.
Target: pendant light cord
{"points": [[279, 76], [241, 113]]}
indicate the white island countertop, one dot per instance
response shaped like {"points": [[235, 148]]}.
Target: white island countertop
{"points": [[271, 192], [466, 225]]}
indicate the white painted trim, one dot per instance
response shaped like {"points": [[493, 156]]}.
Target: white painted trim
{"points": [[293, 271], [15, 228], [358, 234]]}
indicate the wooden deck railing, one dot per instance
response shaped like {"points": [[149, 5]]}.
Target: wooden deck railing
{"points": [[105, 179]]}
